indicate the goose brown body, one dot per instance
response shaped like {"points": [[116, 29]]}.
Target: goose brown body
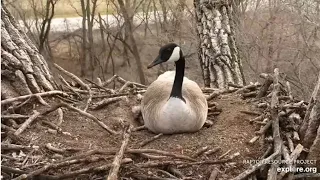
{"points": [[169, 115]]}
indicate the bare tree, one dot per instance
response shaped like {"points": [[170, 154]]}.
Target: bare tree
{"points": [[135, 52], [218, 53], [24, 70]]}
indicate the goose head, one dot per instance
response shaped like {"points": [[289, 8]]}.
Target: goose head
{"points": [[169, 53]]}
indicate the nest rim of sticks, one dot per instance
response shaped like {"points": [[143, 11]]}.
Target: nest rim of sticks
{"points": [[90, 97]]}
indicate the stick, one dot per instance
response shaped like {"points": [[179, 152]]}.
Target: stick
{"points": [[110, 80], [61, 151], [181, 164], [78, 80], [290, 143], [95, 119], [277, 142], [105, 102], [155, 151], [175, 172], [113, 173], [214, 174], [49, 93], [307, 175], [14, 116], [60, 117], [212, 151], [200, 151], [289, 90], [147, 141], [257, 166], [213, 95], [17, 171], [248, 87], [27, 123], [8, 128], [264, 128], [139, 128], [264, 88], [101, 87], [14, 147], [249, 94], [223, 155], [56, 165]]}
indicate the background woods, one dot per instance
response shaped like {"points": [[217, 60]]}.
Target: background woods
{"points": [[121, 37]]}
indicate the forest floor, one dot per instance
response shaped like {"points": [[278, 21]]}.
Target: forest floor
{"points": [[229, 135]]}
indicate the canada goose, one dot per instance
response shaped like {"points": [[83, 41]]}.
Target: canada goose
{"points": [[173, 103]]}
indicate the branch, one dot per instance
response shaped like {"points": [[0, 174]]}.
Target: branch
{"points": [[113, 174]]}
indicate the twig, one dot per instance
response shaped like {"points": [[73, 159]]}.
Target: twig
{"points": [[167, 173], [306, 175], [61, 151], [108, 101], [175, 172], [212, 151], [254, 139], [264, 88], [214, 174], [200, 151], [139, 128], [78, 80], [256, 166], [289, 91], [264, 128], [249, 94], [223, 155], [8, 128], [142, 177], [48, 93], [248, 87], [27, 123], [147, 141], [277, 142], [213, 95], [290, 143], [113, 173], [110, 80], [180, 164], [14, 116], [53, 126], [17, 171], [60, 117], [235, 85], [101, 87], [155, 151], [95, 119], [57, 165], [14, 147]]}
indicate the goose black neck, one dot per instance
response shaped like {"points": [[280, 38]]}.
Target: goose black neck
{"points": [[178, 79]]}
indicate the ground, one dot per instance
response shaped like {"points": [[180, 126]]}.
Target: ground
{"points": [[230, 131]]}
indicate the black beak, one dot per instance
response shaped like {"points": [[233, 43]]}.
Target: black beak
{"points": [[155, 62]]}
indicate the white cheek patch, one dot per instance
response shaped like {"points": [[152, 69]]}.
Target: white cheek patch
{"points": [[175, 56]]}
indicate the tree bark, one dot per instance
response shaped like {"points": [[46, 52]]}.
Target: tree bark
{"points": [[218, 53], [24, 70]]}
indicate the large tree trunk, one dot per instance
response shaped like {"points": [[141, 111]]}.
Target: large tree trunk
{"points": [[24, 70], [218, 54]]}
